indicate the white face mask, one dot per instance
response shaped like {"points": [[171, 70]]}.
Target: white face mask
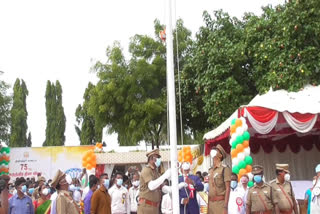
{"points": [[45, 191], [287, 177], [136, 183], [213, 153], [68, 179]]}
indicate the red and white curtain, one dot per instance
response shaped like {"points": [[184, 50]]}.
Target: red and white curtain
{"points": [[263, 120], [302, 123]]}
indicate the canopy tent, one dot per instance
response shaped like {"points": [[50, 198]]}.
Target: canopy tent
{"points": [[283, 124]]}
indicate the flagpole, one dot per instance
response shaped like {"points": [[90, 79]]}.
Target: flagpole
{"points": [[172, 111]]}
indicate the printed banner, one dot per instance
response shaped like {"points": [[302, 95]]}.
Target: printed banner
{"points": [[28, 162]]}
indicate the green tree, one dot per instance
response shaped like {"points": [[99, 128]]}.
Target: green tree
{"points": [[60, 116], [5, 105], [215, 78], [232, 60], [56, 120], [284, 45], [29, 140], [19, 114], [88, 133], [130, 97]]}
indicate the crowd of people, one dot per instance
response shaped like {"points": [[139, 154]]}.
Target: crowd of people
{"points": [[218, 191]]}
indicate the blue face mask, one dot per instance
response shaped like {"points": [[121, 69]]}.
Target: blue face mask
{"points": [[119, 182], [158, 162], [106, 183], [233, 184], [257, 178], [31, 190], [206, 187], [24, 188]]}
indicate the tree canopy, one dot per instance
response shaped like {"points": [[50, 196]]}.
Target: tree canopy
{"points": [[87, 130], [232, 60], [5, 105], [225, 66], [56, 120], [19, 114], [130, 97]]}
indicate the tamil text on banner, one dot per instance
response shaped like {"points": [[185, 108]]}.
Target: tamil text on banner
{"points": [[28, 162]]}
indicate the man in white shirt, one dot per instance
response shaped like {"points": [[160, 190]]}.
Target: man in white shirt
{"points": [[166, 203], [134, 193], [202, 197], [236, 200], [120, 203]]}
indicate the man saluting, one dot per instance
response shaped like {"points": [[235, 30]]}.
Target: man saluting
{"points": [[150, 184]]}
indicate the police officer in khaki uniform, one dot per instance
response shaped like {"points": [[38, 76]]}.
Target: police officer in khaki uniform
{"points": [[219, 183], [65, 203], [150, 184], [259, 199], [282, 194]]}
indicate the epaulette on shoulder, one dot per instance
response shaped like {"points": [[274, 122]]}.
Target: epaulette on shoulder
{"points": [[272, 181]]}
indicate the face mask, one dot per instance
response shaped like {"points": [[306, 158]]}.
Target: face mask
{"points": [[31, 190], [119, 182], [287, 177], [233, 184], [106, 183], [244, 180], [68, 179], [257, 178], [158, 162], [136, 183], [206, 187], [71, 188], [24, 188], [45, 191], [14, 192], [213, 153]]}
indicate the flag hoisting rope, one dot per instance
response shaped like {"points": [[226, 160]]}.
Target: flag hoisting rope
{"points": [[172, 111]]}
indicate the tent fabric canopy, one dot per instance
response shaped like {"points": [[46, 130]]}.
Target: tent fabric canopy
{"points": [[277, 118]]}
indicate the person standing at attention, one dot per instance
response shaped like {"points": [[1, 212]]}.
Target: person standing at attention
{"points": [[120, 203], [20, 203], [101, 200], [282, 193], [219, 182], [134, 193]]}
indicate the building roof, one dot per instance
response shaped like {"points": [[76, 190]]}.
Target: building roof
{"points": [[128, 157]]}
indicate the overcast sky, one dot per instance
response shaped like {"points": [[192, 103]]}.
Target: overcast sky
{"points": [[60, 40]]}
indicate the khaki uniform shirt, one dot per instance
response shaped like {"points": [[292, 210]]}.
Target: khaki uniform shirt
{"points": [[65, 203], [260, 198], [217, 180], [217, 187], [284, 200], [148, 174]]}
